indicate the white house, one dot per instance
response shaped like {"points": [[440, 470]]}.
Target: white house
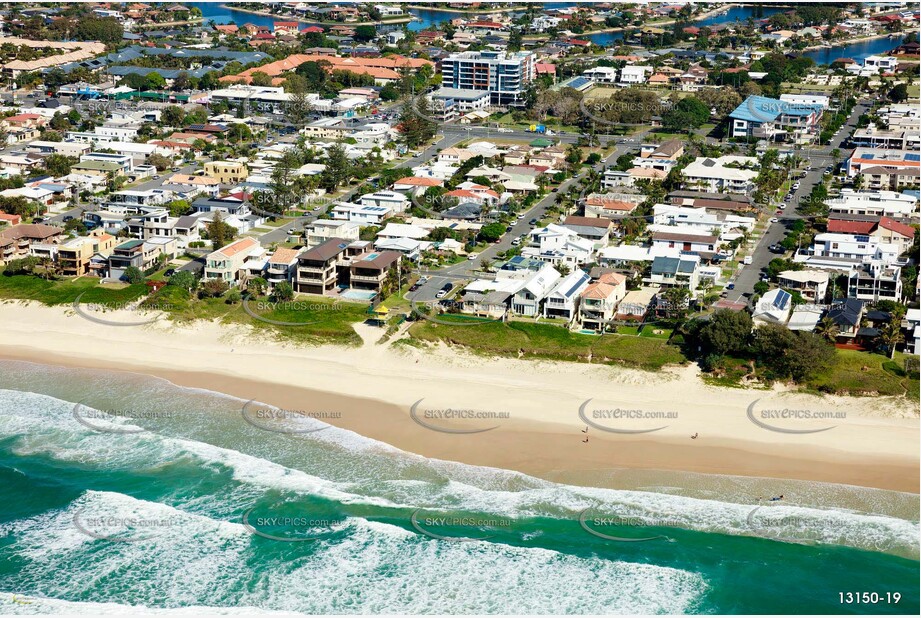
{"points": [[563, 300]]}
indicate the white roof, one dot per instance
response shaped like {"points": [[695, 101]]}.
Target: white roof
{"points": [[402, 230]]}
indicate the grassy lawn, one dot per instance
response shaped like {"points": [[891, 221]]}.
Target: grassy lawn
{"points": [[65, 291], [552, 342], [313, 319], [862, 373]]}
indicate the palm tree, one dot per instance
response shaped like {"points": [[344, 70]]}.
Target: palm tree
{"points": [[890, 336], [827, 329]]}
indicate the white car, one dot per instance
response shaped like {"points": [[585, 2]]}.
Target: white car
{"points": [[472, 256], [516, 242], [441, 294], [774, 219], [504, 130], [747, 260]]}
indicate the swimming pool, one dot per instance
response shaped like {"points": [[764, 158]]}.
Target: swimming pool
{"points": [[352, 294]]}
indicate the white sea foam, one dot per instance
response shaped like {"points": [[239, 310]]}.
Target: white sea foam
{"points": [[468, 488], [371, 567]]}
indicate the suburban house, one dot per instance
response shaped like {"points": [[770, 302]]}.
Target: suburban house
{"points": [[704, 245], [772, 119], [16, 241], [322, 230], [227, 262], [137, 253], [599, 300], [556, 244], [594, 229], [563, 300], [681, 271], [226, 172], [773, 308], [847, 314], [280, 267], [812, 285]]}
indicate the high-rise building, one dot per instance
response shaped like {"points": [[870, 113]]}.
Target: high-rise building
{"points": [[504, 75]]}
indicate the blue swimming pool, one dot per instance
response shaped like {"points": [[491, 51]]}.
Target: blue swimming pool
{"points": [[351, 294]]}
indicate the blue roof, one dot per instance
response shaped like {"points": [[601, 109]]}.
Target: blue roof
{"points": [[756, 108]]}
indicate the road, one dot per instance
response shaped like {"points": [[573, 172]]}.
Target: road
{"points": [[818, 159], [468, 269]]}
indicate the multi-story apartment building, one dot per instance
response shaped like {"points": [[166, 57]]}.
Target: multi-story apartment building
{"points": [[773, 119], [725, 174], [371, 271], [318, 269], [875, 281], [504, 75], [75, 256]]}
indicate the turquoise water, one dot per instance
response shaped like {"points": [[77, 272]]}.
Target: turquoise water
{"points": [[203, 508]]}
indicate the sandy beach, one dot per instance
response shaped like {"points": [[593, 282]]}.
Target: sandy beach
{"points": [[530, 411]]}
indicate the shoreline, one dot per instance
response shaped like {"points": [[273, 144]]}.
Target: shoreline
{"points": [[374, 387], [846, 42], [316, 22]]}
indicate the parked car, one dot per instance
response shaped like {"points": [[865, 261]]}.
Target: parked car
{"points": [[169, 272], [747, 260], [508, 228], [441, 294], [67, 218], [775, 248], [774, 219], [731, 286], [533, 222], [447, 287]]}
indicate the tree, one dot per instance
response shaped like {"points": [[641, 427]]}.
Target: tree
{"points": [[891, 335], [828, 329], [689, 113], [219, 233], [283, 292], [213, 288], [365, 33], [515, 40], [338, 168], [797, 355], [155, 81], [59, 165], [727, 332], [492, 232], [899, 93], [172, 116], [183, 279], [676, 301], [133, 275], [159, 161], [256, 286], [261, 78], [76, 226], [416, 125]]}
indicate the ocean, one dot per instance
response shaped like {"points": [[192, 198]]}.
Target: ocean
{"points": [[121, 490]]}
